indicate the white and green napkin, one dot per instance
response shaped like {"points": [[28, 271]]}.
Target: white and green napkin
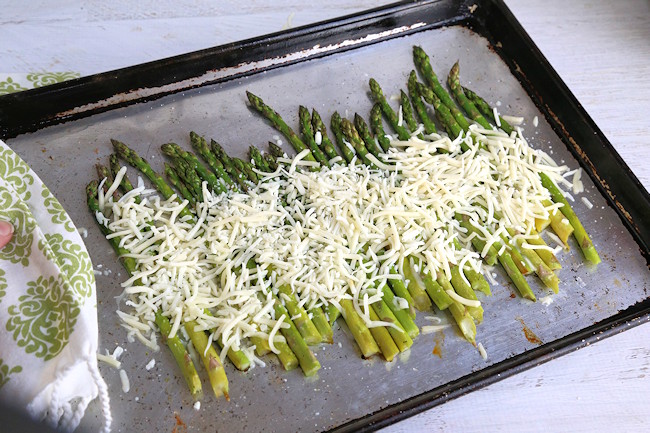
{"points": [[48, 306]]}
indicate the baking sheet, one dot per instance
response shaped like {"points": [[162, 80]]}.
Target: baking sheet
{"points": [[346, 388]]}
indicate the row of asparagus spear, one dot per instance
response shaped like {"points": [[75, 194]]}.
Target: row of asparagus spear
{"points": [[362, 143]]}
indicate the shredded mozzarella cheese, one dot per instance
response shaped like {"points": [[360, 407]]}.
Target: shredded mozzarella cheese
{"points": [[328, 235]]}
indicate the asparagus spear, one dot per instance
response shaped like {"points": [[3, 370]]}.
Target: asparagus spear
{"points": [[359, 330], [407, 112], [125, 184], [424, 66], [381, 335], [443, 113], [131, 157], [378, 127], [256, 156], [308, 136], [365, 134], [237, 357], [245, 168], [465, 290], [389, 113], [454, 84], [421, 300], [346, 149], [416, 99], [279, 124], [228, 166], [104, 173], [179, 351], [487, 111], [399, 335], [270, 160], [403, 315], [352, 135], [559, 223], [319, 127], [541, 269], [308, 362], [299, 316], [547, 256], [202, 147], [175, 152], [210, 358], [181, 355], [579, 231], [175, 180]]}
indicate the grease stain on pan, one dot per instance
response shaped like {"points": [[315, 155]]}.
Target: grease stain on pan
{"points": [[232, 72], [530, 335]]}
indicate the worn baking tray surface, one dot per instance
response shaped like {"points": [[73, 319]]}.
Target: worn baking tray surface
{"points": [[347, 391]]}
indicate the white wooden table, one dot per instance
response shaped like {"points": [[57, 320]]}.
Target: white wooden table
{"points": [[602, 51]]}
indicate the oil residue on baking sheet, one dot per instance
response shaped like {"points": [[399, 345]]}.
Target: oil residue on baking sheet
{"points": [[438, 340], [180, 426], [530, 335]]}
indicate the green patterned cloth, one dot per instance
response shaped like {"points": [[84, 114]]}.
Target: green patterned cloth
{"points": [[11, 83], [48, 308]]}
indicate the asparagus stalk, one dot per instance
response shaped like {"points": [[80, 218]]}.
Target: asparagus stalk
{"points": [[381, 335], [104, 173], [403, 315], [364, 132], [299, 316], [237, 357], [486, 110], [420, 109], [277, 121], [131, 157], [309, 136], [579, 231], [421, 300], [201, 146], [256, 156], [308, 362], [546, 255], [359, 330], [246, 168], [210, 358], [407, 112], [444, 115], [237, 176], [454, 84], [174, 151], [377, 126], [398, 334], [175, 180], [541, 269], [179, 351], [559, 223], [319, 127], [352, 135], [422, 63], [181, 355], [270, 160], [337, 129], [465, 290], [389, 113]]}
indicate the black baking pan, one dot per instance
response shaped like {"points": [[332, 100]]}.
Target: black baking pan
{"points": [[87, 110]]}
